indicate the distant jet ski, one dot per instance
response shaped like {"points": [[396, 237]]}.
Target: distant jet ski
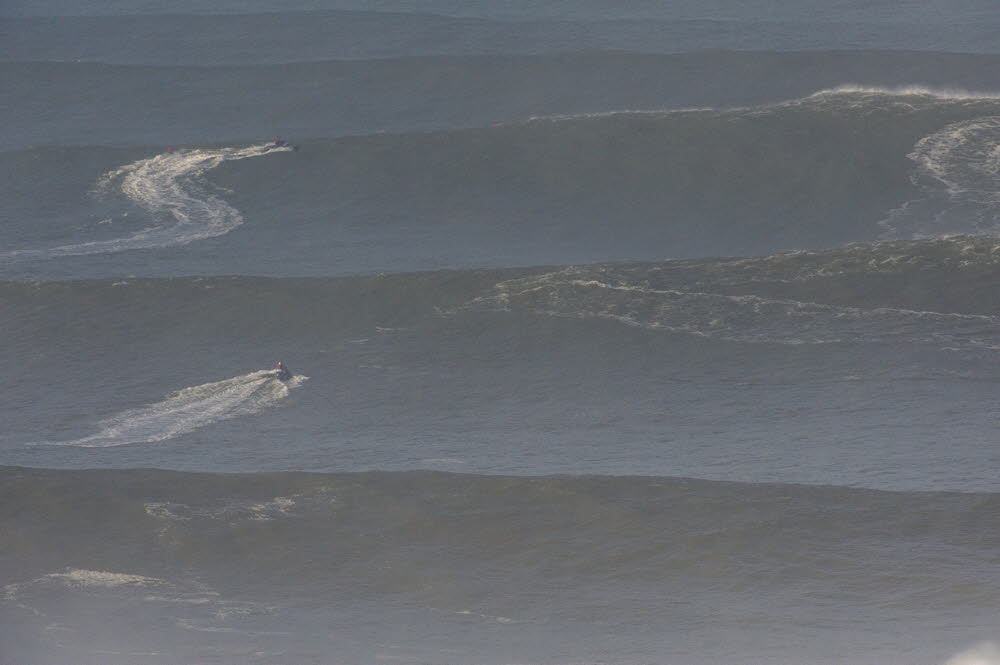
{"points": [[280, 143], [282, 373]]}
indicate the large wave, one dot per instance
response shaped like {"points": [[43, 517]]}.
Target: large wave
{"points": [[600, 529], [124, 104], [839, 166], [938, 292], [134, 566], [818, 171]]}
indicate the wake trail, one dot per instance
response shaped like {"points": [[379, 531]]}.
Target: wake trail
{"points": [[189, 409], [172, 189]]}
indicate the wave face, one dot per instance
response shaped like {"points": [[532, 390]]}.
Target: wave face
{"points": [[796, 298], [124, 103], [871, 330], [846, 165], [234, 560]]}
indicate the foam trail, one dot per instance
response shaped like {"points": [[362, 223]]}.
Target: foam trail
{"points": [[170, 187], [188, 410]]}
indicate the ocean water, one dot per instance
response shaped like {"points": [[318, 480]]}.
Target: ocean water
{"points": [[624, 333]]}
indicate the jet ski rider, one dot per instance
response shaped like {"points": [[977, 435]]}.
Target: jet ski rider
{"points": [[281, 372]]}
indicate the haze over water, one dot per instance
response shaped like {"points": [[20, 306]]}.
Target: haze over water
{"points": [[622, 333]]}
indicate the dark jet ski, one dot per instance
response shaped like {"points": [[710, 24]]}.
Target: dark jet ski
{"points": [[282, 373], [280, 143]]}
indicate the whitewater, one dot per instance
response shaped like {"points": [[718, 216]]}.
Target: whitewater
{"points": [[190, 409], [169, 189]]}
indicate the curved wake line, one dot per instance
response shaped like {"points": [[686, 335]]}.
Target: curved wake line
{"points": [[187, 410], [171, 188]]}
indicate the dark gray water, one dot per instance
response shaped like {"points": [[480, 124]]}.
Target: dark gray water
{"points": [[622, 333]]}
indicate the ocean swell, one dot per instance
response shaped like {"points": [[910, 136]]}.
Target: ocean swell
{"points": [[817, 171], [341, 530], [835, 167], [938, 292]]}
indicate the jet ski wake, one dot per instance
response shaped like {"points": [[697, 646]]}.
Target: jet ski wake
{"points": [[190, 409], [172, 189]]}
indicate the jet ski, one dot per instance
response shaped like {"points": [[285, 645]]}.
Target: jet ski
{"points": [[282, 373], [279, 143]]}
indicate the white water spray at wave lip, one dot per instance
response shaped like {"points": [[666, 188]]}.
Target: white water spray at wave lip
{"points": [[903, 90], [188, 410], [171, 188]]}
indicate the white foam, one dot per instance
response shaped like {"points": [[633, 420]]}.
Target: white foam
{"points": [[98, 578], [498, 619], [205, 599], [840, 91], [187, 625], [79, 578], [268, 510], [986, 653], [171, 187], [575, 293], [913, 89], [188, 410], [958, 170], [166, 511]]}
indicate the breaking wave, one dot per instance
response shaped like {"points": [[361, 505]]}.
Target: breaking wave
{"points": [[958, 170], [611, 293], [935, 291], [926, 292]]}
